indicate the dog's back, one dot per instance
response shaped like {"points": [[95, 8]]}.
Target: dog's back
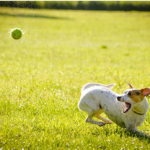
{"points": [[89, 85]]}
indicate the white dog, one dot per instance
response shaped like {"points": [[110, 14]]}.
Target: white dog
{"points": [[127, 110]]}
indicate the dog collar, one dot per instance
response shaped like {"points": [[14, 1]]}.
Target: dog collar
{"points": [[138, 113]]}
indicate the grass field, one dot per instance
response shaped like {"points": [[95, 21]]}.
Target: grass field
{"points": [[41, 76]]}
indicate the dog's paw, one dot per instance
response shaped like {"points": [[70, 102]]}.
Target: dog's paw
{"points": [[101, 124]]}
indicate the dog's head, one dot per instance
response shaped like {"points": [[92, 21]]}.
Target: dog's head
{"points": [[133, 96]]}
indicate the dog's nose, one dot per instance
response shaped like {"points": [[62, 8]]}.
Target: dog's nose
{"points": [[119, 98]]}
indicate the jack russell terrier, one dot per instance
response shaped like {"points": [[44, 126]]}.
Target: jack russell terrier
{"points": [[127, 110]]}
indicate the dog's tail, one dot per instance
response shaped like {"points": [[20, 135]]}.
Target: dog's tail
{"points": [[88, 85]]}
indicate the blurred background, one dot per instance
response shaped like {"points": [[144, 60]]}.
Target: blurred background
{"points": [[81, 5]]}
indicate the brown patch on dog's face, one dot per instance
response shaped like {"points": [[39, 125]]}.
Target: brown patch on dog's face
{"points": [[136, 95]]}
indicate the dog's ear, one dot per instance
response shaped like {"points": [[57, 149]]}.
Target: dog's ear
{"points": [[146, 91], [130, 86]]}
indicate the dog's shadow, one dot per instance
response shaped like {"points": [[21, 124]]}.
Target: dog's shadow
{"points": [[122, 133], [137, 135]]}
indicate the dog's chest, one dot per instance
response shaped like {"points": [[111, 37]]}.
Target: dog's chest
{"points": [[112, 108], [114, 113]]}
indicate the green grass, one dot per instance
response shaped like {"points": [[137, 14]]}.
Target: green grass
{"points": [[42, 73]]}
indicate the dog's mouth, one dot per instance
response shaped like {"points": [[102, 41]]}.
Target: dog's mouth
{"points": [[127, 107]]}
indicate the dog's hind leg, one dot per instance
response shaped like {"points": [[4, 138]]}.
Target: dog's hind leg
{"points": [[90, 120], [91, 109], [102, 118]]}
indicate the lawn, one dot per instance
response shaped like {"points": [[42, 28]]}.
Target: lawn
{"points": [[41, 76]]}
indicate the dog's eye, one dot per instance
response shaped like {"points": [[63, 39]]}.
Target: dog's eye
{"points": [[130, 93], [137, 93]]}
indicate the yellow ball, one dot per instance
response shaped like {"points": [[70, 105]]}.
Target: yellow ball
{"points": [[16, 33]]}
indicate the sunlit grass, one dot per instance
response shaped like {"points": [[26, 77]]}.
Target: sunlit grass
{"points": [[42, 73]]}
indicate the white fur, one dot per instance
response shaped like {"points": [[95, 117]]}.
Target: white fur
{"points": [[97, 98]]}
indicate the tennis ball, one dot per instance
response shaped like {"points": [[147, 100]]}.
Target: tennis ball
{"points": [[16, 33]]}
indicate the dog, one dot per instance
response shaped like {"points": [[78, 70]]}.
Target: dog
{"points": [[127, 110]]}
